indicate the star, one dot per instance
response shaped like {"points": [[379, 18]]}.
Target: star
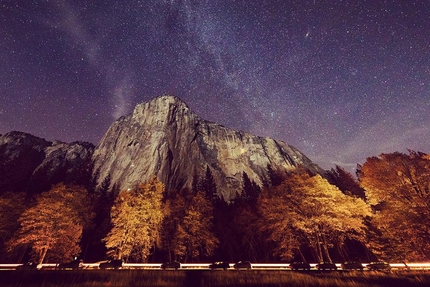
{"points": [[69, 69]]}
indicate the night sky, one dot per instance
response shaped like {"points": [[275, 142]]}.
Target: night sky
{"points": [[339, 80]]}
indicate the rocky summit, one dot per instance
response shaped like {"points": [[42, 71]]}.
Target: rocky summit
{"points": [[32, 164], [163, 137]]}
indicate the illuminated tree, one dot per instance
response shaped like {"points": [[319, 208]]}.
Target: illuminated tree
{"points": [[136, 219], [310, 208], [53, 227], [194, 235], [398, 186], [149, 232], [177, 204], [278, 217], [120, 239]]}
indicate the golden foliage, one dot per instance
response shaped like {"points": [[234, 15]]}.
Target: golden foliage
{"points": [[136, 218], [189, 226], [194, 233], [305, 207], [398, 185], [54, 224]]}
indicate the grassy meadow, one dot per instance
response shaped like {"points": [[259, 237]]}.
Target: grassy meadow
{"points": [[196, 278]]}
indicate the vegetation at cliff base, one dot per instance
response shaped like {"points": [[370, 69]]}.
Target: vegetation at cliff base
{"points": [[292, 215]]}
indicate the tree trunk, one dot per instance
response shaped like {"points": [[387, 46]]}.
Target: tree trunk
{"points": [[318, 248], [118, 253], [301, 254], [43, 254], [325, 249]]}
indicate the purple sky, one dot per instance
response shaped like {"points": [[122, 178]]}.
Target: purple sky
{"points": [[339, 80]]}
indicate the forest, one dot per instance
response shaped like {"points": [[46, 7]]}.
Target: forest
{"points": [[381, 213]]}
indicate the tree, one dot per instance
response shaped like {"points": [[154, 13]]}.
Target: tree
{"points": [[194, 236], [136, 218], [11, 207], [277, 207], [345, 182], [331, 215], [119, 240], [243, 220], [275, 176], [398, 187], [196, 184], [310, 208], [177, 203], [53, 227], [103, 198], [250, 189], [209, 186], [236, 225]]}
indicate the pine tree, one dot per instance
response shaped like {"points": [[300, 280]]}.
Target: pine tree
{"points": [[250, 190], [275, 177], [345, 182], [209, 186]]}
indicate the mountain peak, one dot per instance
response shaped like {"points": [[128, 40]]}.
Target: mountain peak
{"points": [[162, 103], [163, 137], [163, 109], [23, 139], [169, 99]]}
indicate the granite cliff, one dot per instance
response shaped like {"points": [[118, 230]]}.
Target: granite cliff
{"points": [[163, 137]]}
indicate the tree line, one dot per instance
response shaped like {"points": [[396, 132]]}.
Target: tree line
{"points": [[383, 213]]}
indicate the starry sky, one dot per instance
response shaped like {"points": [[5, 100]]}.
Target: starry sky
{"points": [[339, 80]]}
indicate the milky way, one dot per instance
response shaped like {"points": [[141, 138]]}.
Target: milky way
{"points": [[339, 80]]}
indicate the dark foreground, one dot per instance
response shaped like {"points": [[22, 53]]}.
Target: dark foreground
{"points": [[196, 278]]}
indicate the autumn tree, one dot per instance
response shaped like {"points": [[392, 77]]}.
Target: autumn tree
{"points": [[194, 236], [308, 208], [188, 229], [177, 204], [54, 225], [11, 207], [136, 219], [398, 187], [278, 206]]}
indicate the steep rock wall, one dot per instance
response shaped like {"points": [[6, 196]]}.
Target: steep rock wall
{"points": [[163, 137]]}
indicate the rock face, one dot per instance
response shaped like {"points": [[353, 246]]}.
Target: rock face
{"points": [[163, 137], [29, 163]]}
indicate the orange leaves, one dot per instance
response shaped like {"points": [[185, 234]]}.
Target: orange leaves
{"points": [[398, 185], [189, 227], [54, 224], [136, 217], [310, 207]]}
